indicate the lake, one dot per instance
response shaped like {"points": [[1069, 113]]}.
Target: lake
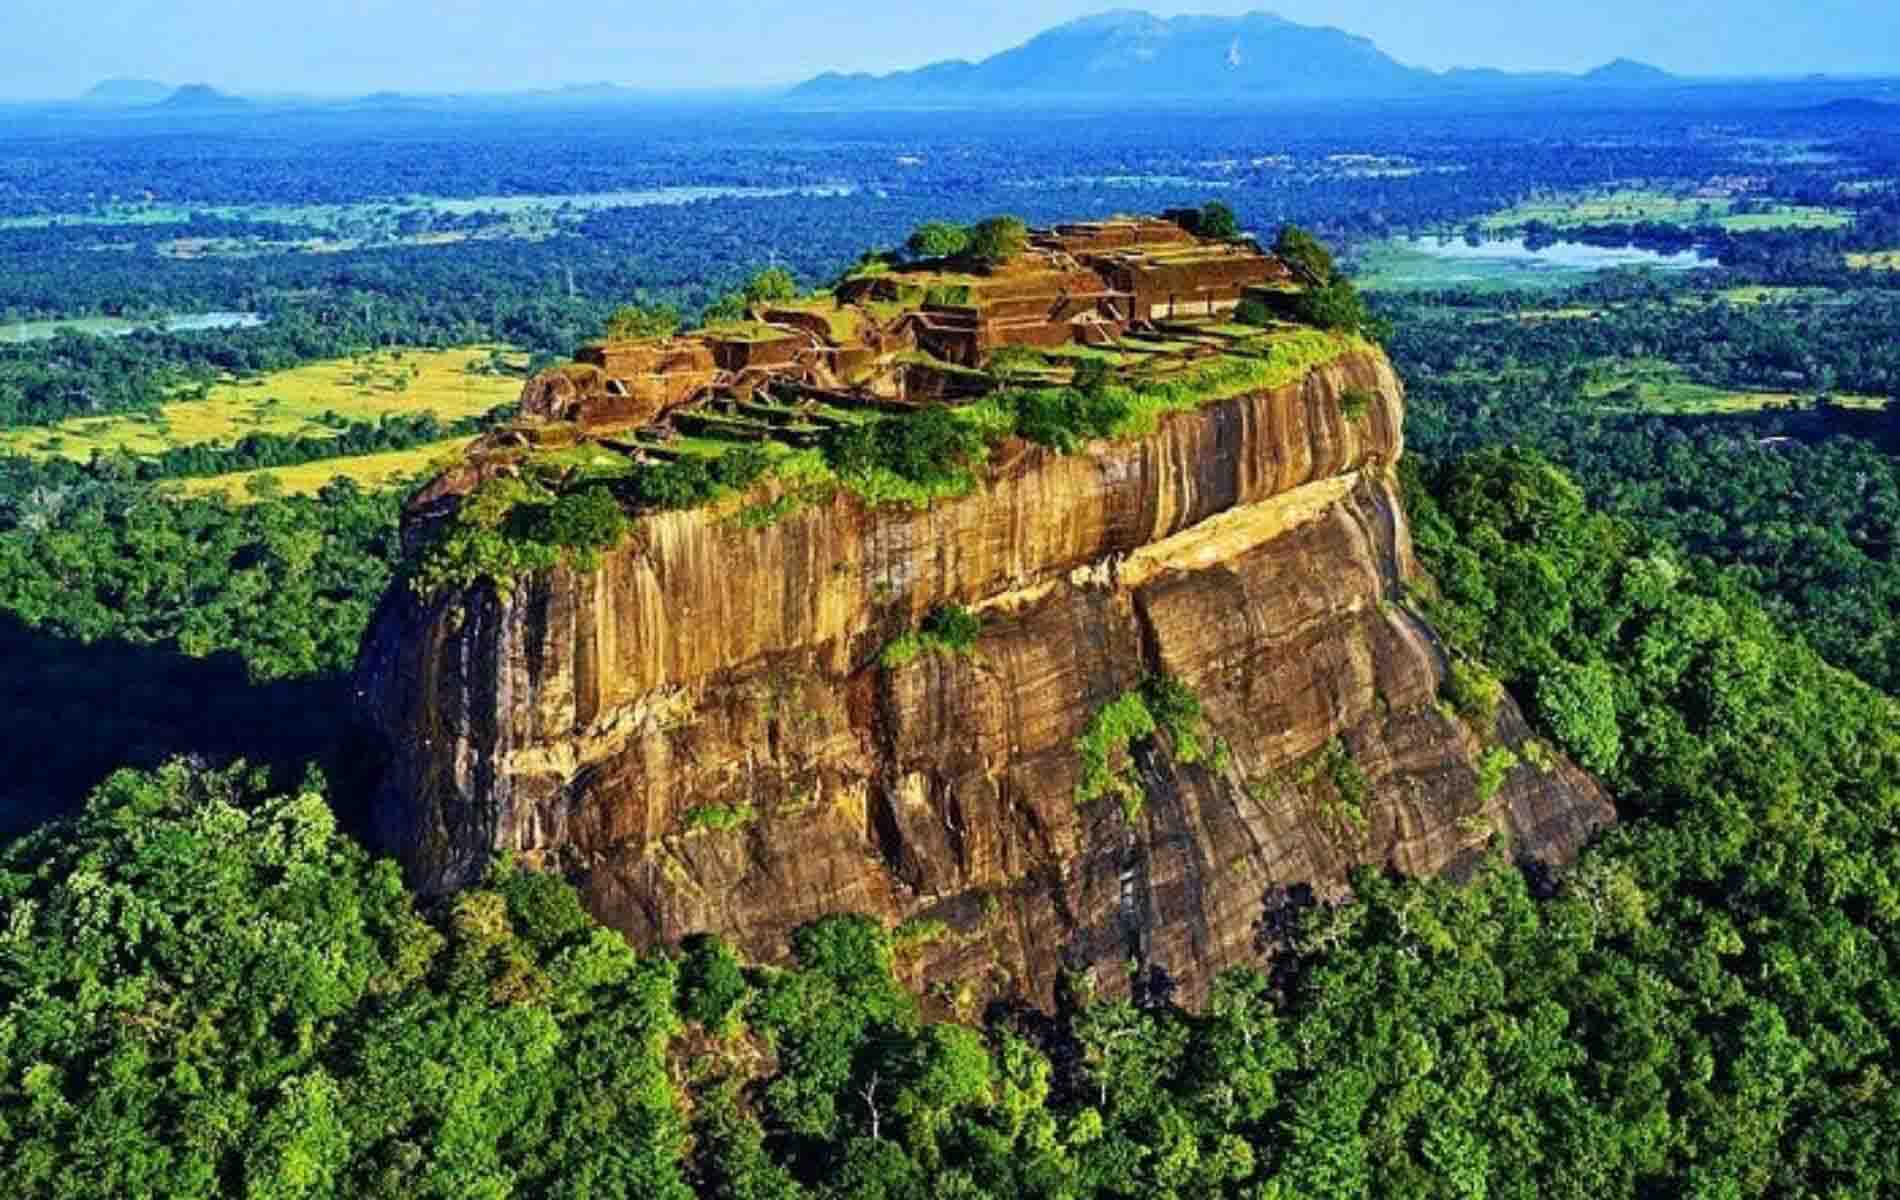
{"points": [[206, 322], [1434, 262]]}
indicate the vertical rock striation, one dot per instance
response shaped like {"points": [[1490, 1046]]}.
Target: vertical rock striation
{"points": [[699, 733]]}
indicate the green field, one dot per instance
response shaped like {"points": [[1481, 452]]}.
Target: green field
{"points": [[1761, 294], [1632, 205], [1880, 260], [289, 402], [372, 471], [1663, 387]]}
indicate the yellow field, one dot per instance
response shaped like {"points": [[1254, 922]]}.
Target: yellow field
{"points": [[370, 470], [288, 402], [1884, 260]]}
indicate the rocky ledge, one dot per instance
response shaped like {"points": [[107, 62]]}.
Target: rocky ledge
{"points": [[704, 734]]}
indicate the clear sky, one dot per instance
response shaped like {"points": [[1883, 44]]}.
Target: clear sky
{"points": [[60, 47]]}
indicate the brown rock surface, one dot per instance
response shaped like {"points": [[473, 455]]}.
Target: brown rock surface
{"points": [[1255, 550]]}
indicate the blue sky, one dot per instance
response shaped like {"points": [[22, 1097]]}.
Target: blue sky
{"points": [[60, 47]]}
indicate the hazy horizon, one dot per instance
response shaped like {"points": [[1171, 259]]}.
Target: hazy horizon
{"points": [[350, 47]]}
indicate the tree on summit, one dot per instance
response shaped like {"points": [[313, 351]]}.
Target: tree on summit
{"points": [[998, 240], [1300, 250], [633, 321], [771, 284], [1217, 221], [938, 239]]}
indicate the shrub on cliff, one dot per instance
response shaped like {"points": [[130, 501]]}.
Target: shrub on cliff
{"points": [[1473, 693], [947, 295], [952, 628], [691, 482], [741, 466], [1063, 418], [486, 539], [510, 527], [633, 321], [1161, 704], [907, 457], [680, 484], [586, 521]]}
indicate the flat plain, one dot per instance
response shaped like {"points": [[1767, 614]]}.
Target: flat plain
{"points": [[372, 472], [1634, 205], [452, 384]]}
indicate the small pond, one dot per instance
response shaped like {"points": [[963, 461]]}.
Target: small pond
{"points": [[1454, 261], [205, 322]]}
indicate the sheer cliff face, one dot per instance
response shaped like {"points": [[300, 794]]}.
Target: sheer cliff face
{"points": [[698, 732]]}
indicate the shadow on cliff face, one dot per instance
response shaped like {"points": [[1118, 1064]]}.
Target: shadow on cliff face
{"points": [[75, 713]]}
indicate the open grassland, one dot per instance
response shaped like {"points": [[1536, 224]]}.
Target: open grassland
{"points": [[447, 383], [1880, 260], [1633, 205], [1662, 388], [371, 471], [1655, 386], [1760, 294]]}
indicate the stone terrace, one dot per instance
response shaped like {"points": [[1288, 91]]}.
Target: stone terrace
{"points": [[1138, 292]]}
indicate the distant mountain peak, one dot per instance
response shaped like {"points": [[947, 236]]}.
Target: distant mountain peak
{"points": [[1126, 53], [1626, 72], [202, 96], [1114, 18]]}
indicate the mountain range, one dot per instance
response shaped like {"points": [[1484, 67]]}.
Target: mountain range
{"points": [[1130, 55], [161, 97]]}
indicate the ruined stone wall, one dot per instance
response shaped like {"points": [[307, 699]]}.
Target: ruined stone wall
{"points": [[1108, 236], [736, 354], [647, 357]]}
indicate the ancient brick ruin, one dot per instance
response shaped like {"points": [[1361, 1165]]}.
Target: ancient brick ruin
{"points": [[899, 335]]}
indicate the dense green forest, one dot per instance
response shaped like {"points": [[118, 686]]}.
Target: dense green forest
{"points": [[1799, 500], [211, 991], [137, 627]]}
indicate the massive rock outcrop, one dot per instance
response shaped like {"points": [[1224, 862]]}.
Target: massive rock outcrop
{"points": [[699, 732]]}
